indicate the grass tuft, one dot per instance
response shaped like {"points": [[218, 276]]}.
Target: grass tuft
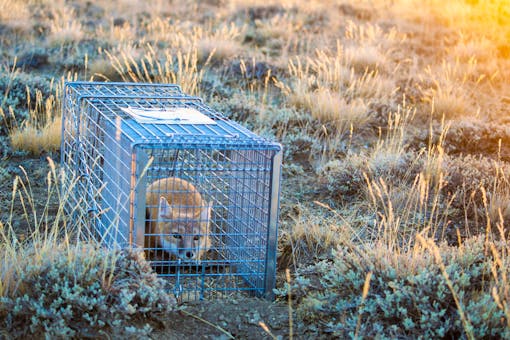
{"points": [[64, 28], [171, 68], [42, 129], [37, 139]]}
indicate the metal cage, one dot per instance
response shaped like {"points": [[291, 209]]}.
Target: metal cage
{"points": [[220, 182]]}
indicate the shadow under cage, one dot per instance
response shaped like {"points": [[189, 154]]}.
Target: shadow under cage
{"points": [[157, 169]]}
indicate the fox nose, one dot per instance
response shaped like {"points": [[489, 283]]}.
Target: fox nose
{"points": [[190, 254]]}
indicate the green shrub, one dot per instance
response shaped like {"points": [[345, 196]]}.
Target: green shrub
{"points": [[472, 136], [409, 296], [470, 173], [84, 292], [346, 177], [479, 189], [14, 86]]}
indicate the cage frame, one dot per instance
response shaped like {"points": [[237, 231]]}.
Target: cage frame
{"points": [[137, 230]]}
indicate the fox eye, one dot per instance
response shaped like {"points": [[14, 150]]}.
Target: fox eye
{"points": [[177, 236], [196, 238]]}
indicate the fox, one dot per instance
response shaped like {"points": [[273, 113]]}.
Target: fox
{"points": [[180, 217]]}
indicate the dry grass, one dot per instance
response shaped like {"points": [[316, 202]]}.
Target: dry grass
{"points": [[369, 47], [130, 9], [15, 13], [175, 34], [476, 61], [310, 237], [221, 40], [497, 200], [327, 106], [42, 130], [405, 211], [481, 18], [453, 85], [102, 69], [172, 68], [339, 87], [117, 35], [34, 140], [64, 28], [221, 43]]}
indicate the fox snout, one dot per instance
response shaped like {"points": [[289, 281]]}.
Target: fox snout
{"points": [[186, 247]]}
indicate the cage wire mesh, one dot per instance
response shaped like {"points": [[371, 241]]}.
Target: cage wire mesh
{"points": [[200, 197]]}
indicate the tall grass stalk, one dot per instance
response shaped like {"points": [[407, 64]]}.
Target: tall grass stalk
{"points": [[289, 304], [364, 294], [501, 291], [13, 71], [64, 28], [394, 139]]}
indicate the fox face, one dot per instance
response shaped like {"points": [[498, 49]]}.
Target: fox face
{"points": [[182, 233], [177, 219]]}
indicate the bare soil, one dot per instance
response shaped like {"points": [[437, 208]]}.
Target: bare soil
{"points": [[32, 185], [240, 317]]}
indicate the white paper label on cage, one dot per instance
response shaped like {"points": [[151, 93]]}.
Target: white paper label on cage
{"points": [[171, 115]]}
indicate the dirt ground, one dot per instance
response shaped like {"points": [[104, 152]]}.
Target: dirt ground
{"points": [[36, 187], [239, 318]]}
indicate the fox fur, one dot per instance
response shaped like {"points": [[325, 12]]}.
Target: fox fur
{"points": [[179, 217]]}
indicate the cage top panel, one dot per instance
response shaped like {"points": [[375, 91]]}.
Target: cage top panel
{"points": [[99, 89], [114, 106]]}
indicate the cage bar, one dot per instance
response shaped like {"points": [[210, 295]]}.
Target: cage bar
{"points": [[199, 197]]}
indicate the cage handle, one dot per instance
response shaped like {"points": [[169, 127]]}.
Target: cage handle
{"points": [[172, 135]]}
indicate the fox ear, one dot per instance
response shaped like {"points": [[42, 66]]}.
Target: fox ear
{"points": [[205, 214], [165, 210]]}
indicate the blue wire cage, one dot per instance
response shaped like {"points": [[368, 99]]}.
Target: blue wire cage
{"points": [[113, 151]]}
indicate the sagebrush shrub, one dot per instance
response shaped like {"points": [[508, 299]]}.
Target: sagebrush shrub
{"points": [[478, 187], [468, 136], [408, 296], [347, 177], [84, 292], [14, 89]]}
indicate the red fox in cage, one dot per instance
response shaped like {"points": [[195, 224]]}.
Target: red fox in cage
{"points": [[179, 218]]}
